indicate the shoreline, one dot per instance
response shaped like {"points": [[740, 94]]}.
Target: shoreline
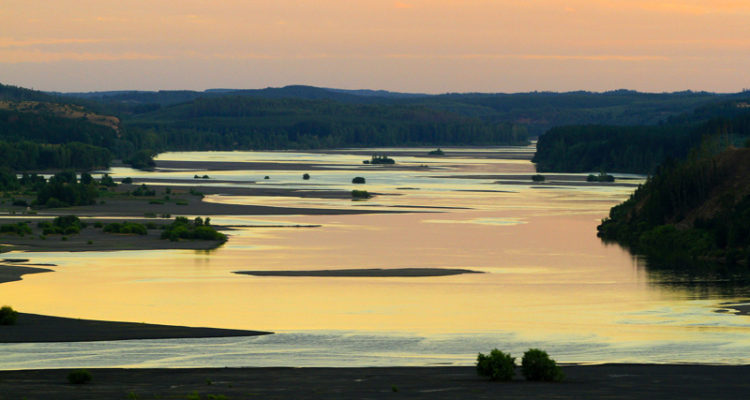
{"points": [[606, 381]]}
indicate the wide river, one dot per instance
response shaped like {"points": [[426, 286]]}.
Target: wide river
{"points": [[547, 280]]}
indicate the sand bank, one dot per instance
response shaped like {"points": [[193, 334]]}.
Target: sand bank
{"points": [[33, 328], [371, 272]]}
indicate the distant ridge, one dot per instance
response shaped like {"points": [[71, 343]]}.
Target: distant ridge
{"points": [[538, 111]]}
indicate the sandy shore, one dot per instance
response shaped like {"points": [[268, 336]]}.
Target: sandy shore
{"points": [[615, 381], [370, 272]]}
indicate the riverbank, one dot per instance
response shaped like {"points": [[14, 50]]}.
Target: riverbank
{"points": [[611, 381]]}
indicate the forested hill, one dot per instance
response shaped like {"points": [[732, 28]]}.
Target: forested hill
{"points": [[538, 111], [693, 211], [639, 149], [234, 121]]}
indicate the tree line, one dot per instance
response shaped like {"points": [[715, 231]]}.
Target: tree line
{"points": [[635, 149]]}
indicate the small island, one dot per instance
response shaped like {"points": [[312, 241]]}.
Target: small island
{"points": [[380, 159]]}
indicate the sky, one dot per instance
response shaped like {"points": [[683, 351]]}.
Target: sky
{"points": [[426, 46]]}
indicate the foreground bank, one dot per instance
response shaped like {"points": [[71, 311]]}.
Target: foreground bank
{"points": [[612, 381]]}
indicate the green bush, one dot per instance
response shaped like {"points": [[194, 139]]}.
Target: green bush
{"points": [[306, 176], [79, 376], [602, 177], [497, 366], [108, 181], [381, 159], [537, 366], [64, 225], [127, 180], [537, 178], [8, 315], [360, 194], [19, 228], [126, 228], [144, 190], [199, 229], [358, 180]]}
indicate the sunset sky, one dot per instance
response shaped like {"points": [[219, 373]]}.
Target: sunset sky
{"points": [[430, 46]]}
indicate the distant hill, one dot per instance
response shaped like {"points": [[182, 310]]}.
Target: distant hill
{"points": [[240, 121], [15, 93], [696, 211], [538, 111]]}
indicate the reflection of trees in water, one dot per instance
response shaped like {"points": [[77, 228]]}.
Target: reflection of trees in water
{"points": [[703, 281]]}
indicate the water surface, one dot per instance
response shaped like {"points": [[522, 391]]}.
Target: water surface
{"points": [[547, 282]]}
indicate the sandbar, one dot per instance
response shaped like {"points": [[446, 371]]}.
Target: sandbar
{"points": [[34, 328], [367, 272]]}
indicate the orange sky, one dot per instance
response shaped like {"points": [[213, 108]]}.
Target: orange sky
{"points": [[408, 45]]}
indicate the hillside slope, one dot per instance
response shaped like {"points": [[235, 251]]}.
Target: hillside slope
{"points": [[695, 211]]}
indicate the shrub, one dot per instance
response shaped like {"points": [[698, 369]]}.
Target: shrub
{"points": [[65, 224], [79, 376], [8, 315], [143, 159], [537, 178], [381, 159], [54, 203], [537, 366], [126, 228], [182, 228], [108, 181], [602, 177], [437, 152], [127, 181], [306, 176], [144, 190], [360, 194], [497, 366], [19, 228], [20, 203], [358, 180]]}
